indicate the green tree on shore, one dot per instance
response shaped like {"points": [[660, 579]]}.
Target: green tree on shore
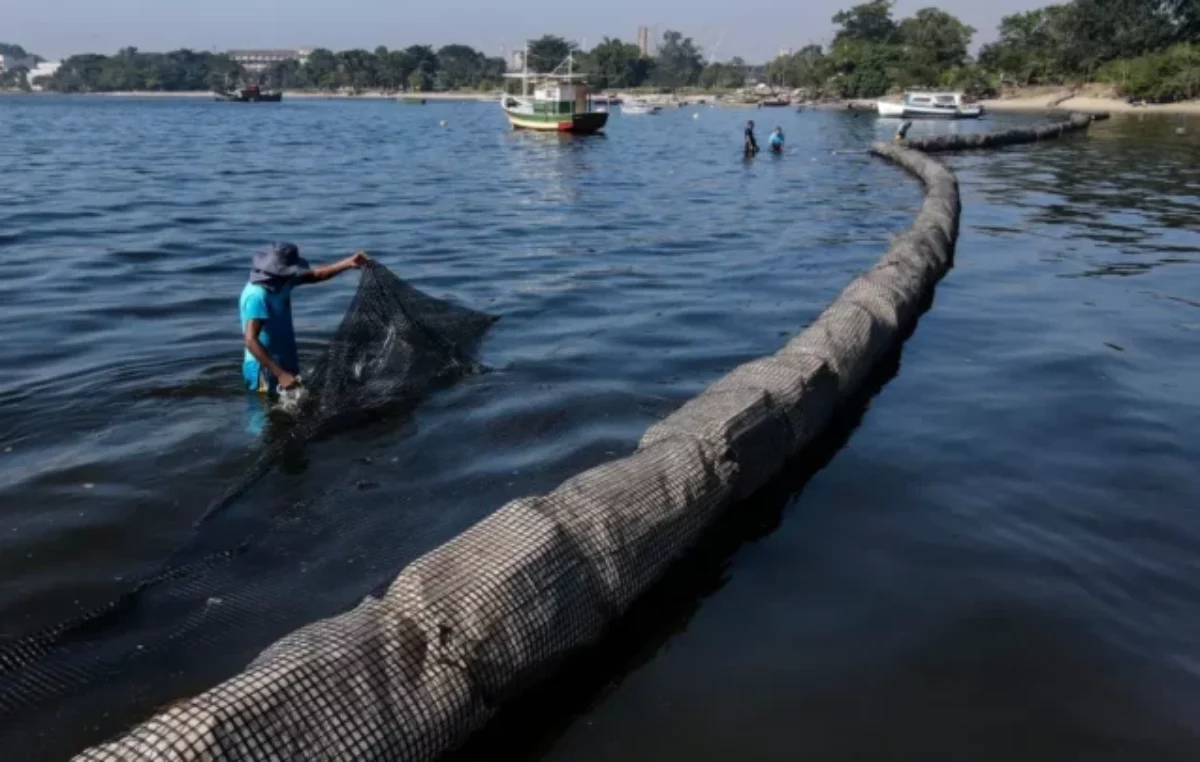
{"points": [[870, 22], [547, 53], [1144, 48], [614, 63], [808, 68], [727, 75], [678, 62]]}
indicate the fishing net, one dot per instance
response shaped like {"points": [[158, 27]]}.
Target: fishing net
{"points": [[394, 345], [82, 680], [414, 669]]}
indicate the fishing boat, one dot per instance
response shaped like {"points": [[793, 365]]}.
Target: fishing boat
{"points": [[922, 105], [248, 94], [779, 101], [552, 102], [640, 106]]}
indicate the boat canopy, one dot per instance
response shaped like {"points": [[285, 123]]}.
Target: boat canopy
{"points": [[933, 99]]}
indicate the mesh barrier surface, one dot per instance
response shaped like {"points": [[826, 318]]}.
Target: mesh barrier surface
{"points": [[394, 345], [1015, 136], [411, 672]]}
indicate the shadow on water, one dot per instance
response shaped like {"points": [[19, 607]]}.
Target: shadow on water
{"points": [[1000, 680], [530, 726]]}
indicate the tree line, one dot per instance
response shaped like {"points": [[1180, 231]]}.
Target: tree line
{"points": [[415, 68], [418, 67], [16, 78], [1147, 49], [129, 69]]}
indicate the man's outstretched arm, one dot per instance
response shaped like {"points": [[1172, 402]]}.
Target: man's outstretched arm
{"points": [[355, 261]]}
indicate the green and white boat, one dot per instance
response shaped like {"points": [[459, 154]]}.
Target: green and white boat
{"points": [[552, 102]]}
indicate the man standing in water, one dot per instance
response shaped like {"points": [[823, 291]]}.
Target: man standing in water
{"points": [[751, 146], [271, 361]]}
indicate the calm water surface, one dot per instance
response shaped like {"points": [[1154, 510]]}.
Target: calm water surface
{"points": [[1001, 562]]}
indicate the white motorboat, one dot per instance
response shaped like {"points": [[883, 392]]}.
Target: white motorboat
{"points": [[638, 106], [921, 105]]}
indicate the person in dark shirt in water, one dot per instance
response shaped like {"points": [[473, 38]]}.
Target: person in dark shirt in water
{"points": [[270, 361], [751, 146]]}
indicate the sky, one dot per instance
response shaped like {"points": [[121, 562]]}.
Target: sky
{"points": [[754, 29]]}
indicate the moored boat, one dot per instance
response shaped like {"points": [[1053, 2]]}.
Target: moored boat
{"points": [[248, 94], [553, 102], [778, 101], [639, 106], [922, 105]]}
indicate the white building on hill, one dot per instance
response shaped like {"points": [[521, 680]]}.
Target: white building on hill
{"points": [[44, 69], [261, 60]]}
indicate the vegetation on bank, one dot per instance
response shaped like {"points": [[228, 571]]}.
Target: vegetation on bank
{"points": [[130, 69], [17, 78], [1145, 49]]}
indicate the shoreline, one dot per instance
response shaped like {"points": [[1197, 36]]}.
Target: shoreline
{"points": [[1086, 104], [304, 95], [1019, 104]]}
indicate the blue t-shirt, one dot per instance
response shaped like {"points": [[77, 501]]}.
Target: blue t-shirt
{"points": [[274, 308], [776, 140]]}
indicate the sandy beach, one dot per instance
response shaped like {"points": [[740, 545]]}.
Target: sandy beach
{"points": [[1087, 104], [1052, 101]]}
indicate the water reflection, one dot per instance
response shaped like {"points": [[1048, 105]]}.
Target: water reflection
{"points": [[1130, 188]]}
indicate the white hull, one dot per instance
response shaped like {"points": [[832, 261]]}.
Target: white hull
{"points": [[901, 111], [639, 109]]}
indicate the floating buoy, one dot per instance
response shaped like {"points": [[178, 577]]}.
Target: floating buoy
{"points": [[1181, 130], [443, 123], [695, 116]]}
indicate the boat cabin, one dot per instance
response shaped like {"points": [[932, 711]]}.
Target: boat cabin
{"points": [[933, 100], [552, 102], [549, 95]]}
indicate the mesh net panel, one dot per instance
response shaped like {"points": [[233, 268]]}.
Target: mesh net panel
{"points": [[411, 671], [394, 345]]}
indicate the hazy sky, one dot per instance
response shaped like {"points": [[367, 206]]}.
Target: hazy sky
{"points": [[754, 29]]}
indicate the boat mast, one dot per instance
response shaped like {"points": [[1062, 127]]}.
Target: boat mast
{"points": [[525, 72]]}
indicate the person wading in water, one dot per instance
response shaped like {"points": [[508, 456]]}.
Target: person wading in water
{"points": [[271, 362], [751, 146], [776, 141]]}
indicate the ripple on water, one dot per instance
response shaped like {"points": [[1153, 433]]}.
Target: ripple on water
{"points": [[1017, 465]]}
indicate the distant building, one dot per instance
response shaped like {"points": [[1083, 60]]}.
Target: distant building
{"points": [[644, 41], [43, 69], [261, 60]]}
